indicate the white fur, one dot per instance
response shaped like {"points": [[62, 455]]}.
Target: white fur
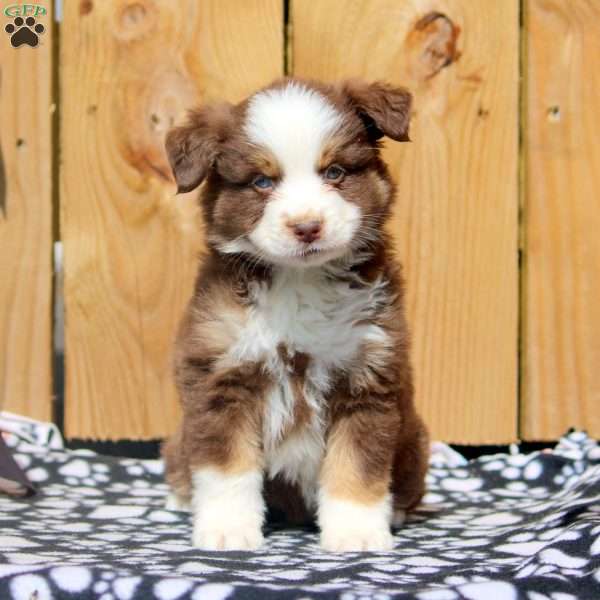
{"points": [[294, 122], [307, 312], [300, 199], [351, 527], [236, 246], [310, 313], [299, 459], [228, 510]]}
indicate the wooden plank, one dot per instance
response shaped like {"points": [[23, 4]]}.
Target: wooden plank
{"points": [[457, 210], [26, 224], [561, 386], [129, 70]]}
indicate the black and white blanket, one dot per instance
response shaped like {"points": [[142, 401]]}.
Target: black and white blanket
{"points": [[500, 527]]}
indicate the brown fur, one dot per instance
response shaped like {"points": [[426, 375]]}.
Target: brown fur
{"points": [[286, 501], [296, 364], [375, 440]]}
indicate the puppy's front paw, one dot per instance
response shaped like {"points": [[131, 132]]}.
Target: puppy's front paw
{"points": [[348, 526], [353, 540], [247, 537], [228, 510]]}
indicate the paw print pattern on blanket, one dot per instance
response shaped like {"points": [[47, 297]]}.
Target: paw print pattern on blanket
{"points": [[500, 527]]}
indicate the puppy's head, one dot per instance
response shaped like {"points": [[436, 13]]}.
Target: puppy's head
{"points": [[294, 175]]}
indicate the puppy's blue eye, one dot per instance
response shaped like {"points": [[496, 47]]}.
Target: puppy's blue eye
{"points": [[262, 182], [334, 173]]}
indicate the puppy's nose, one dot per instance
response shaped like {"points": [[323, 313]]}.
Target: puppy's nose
{"points": [[307, 232]]}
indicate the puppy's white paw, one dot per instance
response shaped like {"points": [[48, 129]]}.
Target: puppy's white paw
{"points": [[228, 510], [348, 526], [247, 537], [353, 540]]}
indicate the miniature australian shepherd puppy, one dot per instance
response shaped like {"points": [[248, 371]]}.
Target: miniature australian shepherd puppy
{"points": [[292, 358]]}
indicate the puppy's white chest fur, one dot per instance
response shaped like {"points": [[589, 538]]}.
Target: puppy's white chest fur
{"points": [[303, 311]]}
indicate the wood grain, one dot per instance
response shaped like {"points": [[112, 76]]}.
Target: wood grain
{"points": [[129, 70], [561, 384], [456, 219], [26, 225]]}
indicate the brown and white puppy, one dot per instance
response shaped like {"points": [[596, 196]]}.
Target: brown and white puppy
{"points": [[292, 359]]}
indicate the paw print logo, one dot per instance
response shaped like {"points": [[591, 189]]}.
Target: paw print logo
{"points": [[24, 31]]}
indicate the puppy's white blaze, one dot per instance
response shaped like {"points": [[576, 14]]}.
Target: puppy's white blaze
{"points": [[349, 526], [228, 509], [292, 122]]}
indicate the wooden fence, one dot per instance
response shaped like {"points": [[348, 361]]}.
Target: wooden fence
{"points": [[497, 219]]}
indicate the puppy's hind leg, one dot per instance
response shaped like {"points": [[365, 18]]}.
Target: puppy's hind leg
{"points": [[177, 474], [177, 502], [411, 460]]}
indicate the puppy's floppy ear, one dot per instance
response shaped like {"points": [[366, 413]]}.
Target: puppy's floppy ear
{"points": [[385, 109], [193, 147]]}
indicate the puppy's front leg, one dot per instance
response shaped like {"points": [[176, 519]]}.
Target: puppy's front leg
{"points": [[355, 504], [226, 461]]}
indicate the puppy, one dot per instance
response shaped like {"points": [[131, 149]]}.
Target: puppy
{"points": [[292, 359]]}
